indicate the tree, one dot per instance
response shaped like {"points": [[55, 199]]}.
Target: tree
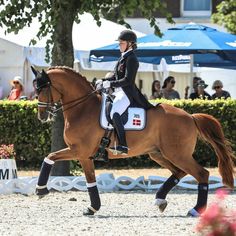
{"points": [[57, 18], [226, 15]]}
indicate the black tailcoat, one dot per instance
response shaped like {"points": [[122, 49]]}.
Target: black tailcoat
{"points": [[124, 77]]}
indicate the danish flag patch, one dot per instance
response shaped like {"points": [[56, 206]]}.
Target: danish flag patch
{"points": [[136, 120]]}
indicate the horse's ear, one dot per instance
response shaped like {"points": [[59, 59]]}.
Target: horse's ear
{"points": [[34, 71], [44, 73]]}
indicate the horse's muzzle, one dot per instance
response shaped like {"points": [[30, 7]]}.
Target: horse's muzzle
{"points": [[44, 116]]}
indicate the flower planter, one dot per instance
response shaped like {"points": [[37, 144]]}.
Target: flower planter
{"points": [[8, 169]]}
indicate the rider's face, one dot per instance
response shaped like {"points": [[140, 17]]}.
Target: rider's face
{"points": [[123, 45]]}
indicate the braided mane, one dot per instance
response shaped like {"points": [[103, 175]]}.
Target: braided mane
{"points": [[70, 70]]}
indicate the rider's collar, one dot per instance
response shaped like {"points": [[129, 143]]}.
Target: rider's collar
{"points": [[123, 53]]}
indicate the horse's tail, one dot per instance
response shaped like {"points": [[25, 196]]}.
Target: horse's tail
{"points": [[211, 131]]}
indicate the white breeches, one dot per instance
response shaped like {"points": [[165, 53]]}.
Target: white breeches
{"points": [[120, 103]]}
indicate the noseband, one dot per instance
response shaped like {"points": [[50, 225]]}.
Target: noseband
{"points": [[50, 105]]}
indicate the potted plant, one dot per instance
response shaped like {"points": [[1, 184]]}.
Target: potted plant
{"points": [[8, 168]]}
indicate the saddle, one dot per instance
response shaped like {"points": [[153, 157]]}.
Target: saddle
{"points": [[134, 118]]}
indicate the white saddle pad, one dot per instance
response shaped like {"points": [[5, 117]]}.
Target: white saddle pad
{"points": [[136, 117]]}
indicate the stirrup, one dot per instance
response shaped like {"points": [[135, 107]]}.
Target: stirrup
{"points": [[119, 150]]}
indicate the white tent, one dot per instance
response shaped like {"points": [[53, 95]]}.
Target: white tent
{"points": [[14, 55], [87, 35]]}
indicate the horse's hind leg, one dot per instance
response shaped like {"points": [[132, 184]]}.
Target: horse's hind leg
{"points": [[88, 167], [170, 183], [190, 166]]}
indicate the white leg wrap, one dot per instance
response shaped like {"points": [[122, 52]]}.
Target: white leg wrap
{"points": [[90, 185], [159, 202], [41, 187], [193, 213], [92, 209], [48, 161]]}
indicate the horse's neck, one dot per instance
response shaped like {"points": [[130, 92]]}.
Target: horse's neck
{"points": [[90, 107], [74, 89], [77, 96]]}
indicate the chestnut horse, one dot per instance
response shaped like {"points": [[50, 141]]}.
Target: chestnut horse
{"points": [[169, 137]]}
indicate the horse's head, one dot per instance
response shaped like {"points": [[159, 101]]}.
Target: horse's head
{"points": [[48, 95]]}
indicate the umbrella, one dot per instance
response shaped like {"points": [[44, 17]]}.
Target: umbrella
{"points": [[219, 48]]}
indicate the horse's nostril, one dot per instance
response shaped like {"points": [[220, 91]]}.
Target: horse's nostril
{"points": [[43, 116]]}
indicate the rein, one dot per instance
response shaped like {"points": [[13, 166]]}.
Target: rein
{"points": [[51, 106]]}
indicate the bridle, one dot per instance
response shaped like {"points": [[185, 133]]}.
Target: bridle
{"points": [[53, 107]]}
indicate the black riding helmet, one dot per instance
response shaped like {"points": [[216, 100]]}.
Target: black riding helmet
{"points": [[128, 35]]}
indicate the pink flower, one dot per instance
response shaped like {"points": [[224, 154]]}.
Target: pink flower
{"points": [[7, 151], [211, 214], [217, 220], [221, 193]]}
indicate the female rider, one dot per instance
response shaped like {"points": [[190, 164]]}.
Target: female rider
{"points": [[123, 84]]}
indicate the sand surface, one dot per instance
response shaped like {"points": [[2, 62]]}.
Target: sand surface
{"points": [[122, 213]]}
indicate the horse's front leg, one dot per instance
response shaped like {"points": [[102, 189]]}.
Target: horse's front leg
{"points": [[88, 168], [64, 154]]}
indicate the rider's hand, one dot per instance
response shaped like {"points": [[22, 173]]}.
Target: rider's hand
{"points": [[106, 84], [98, 84]]}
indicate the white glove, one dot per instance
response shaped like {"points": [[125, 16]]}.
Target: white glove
{"points": [[98, 84], [106, 84]]}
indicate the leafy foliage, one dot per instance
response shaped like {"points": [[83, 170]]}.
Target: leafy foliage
{"points": [[226, 15], [50, 13], [19, 126]]}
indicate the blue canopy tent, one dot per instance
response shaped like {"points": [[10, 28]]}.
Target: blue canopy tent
{"points": [[209, 46]]}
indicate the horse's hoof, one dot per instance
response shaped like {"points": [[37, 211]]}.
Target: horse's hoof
{"points": [[89, 212], [193, 213], [161, 203], [41, 192]]}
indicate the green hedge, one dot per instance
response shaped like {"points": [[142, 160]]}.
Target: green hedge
{"points": [[19, 125], [32, 139]]}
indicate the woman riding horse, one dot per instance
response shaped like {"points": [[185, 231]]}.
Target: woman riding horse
{"points": [[123, 84], [169, 137]]}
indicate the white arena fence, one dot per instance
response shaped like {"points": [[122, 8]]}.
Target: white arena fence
{"points": [[105, 182]]}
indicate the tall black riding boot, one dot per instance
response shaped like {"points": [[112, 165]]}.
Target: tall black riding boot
{"points": [[122, 145]]}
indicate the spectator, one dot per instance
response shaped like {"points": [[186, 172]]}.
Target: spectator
{"points": [[33, 94], [168, 91], [156, 90], [201, 93], [17, 89], [220, 93], [195, 80]]}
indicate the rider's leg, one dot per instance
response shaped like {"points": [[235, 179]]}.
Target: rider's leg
{"points": [[120, 104], [118, 125]]}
